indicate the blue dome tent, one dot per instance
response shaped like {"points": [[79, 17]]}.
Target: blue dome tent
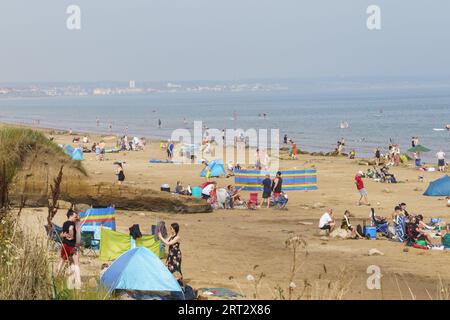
{"points": [[439, 187], [216, 167], [139, 269]]}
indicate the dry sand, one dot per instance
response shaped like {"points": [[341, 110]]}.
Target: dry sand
{"points": [[221, 248]]}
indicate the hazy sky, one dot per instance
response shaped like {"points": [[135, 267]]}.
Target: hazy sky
{"points": [[221, 39]]}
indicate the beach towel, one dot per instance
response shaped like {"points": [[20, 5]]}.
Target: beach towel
{"points": [[400, 228], [160, 161], [220, 292], [418, 246]]}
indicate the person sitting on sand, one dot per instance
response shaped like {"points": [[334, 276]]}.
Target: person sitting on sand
{"points": [[388, 177], [326, 221], [403, 209], [419, 230], [346, 225], [179, 189], [281, 201], [377, 219], [352, 154]]}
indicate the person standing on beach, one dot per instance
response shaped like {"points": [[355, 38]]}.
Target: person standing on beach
{"points": [[377, 156], [174, 257], [170, 147], [267, 190], [70, 239], [360, 187], [119, 173], [294, 150], [441, 160], [277, 185], [258, 165], [285, 139]]}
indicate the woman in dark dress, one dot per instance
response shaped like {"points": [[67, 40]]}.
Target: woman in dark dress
{"points": [[173, 242], [119, 173]]}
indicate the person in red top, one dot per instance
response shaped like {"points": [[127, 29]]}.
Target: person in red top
{"points": [[360, 186]]}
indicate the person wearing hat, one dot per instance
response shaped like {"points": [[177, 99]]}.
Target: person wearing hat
{"points": [[360, 187]]}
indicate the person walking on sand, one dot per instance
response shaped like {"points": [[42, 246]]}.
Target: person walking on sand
{"points": [[441, 160], [360, 187]]}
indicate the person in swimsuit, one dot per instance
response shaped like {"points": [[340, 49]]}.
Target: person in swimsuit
{"points": [[174, 256], [119, 173]]}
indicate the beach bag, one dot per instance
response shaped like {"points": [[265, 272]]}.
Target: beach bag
{"points": [[359, 229], [135, 232]]}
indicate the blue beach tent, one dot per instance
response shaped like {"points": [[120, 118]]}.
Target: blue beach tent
{"points": [[439, 187], [216, 167], [139, 269], [75, 154]]}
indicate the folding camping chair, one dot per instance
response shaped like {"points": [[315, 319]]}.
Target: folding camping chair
{"points": [[280, 202], [380, 226], [253, 202], [54, 236], [89, 244]]}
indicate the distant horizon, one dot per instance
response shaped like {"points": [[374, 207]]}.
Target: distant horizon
{"points": [[416, 78]]}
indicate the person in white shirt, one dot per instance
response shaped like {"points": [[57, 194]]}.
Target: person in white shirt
{"points": [[326, 221], [441, 160], [206, 192]]}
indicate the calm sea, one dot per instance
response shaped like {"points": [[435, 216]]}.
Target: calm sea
{"points": [[313, 121]]}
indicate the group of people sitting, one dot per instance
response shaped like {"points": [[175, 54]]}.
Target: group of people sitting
{"points": [[381, 175], [405, 227], [135, 144], [409, 228], [230, 197], [327, 222]]}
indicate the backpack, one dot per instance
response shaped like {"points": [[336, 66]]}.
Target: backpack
{"points": [[135, 232], [359, 229]]}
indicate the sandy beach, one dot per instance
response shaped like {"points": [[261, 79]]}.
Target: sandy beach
{"points": [[220, 249]]}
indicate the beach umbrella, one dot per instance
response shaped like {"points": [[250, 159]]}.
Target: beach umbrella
{"points": [[419, 148]]}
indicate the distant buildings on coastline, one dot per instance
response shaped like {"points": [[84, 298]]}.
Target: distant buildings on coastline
{"points": [[89, 89]]}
